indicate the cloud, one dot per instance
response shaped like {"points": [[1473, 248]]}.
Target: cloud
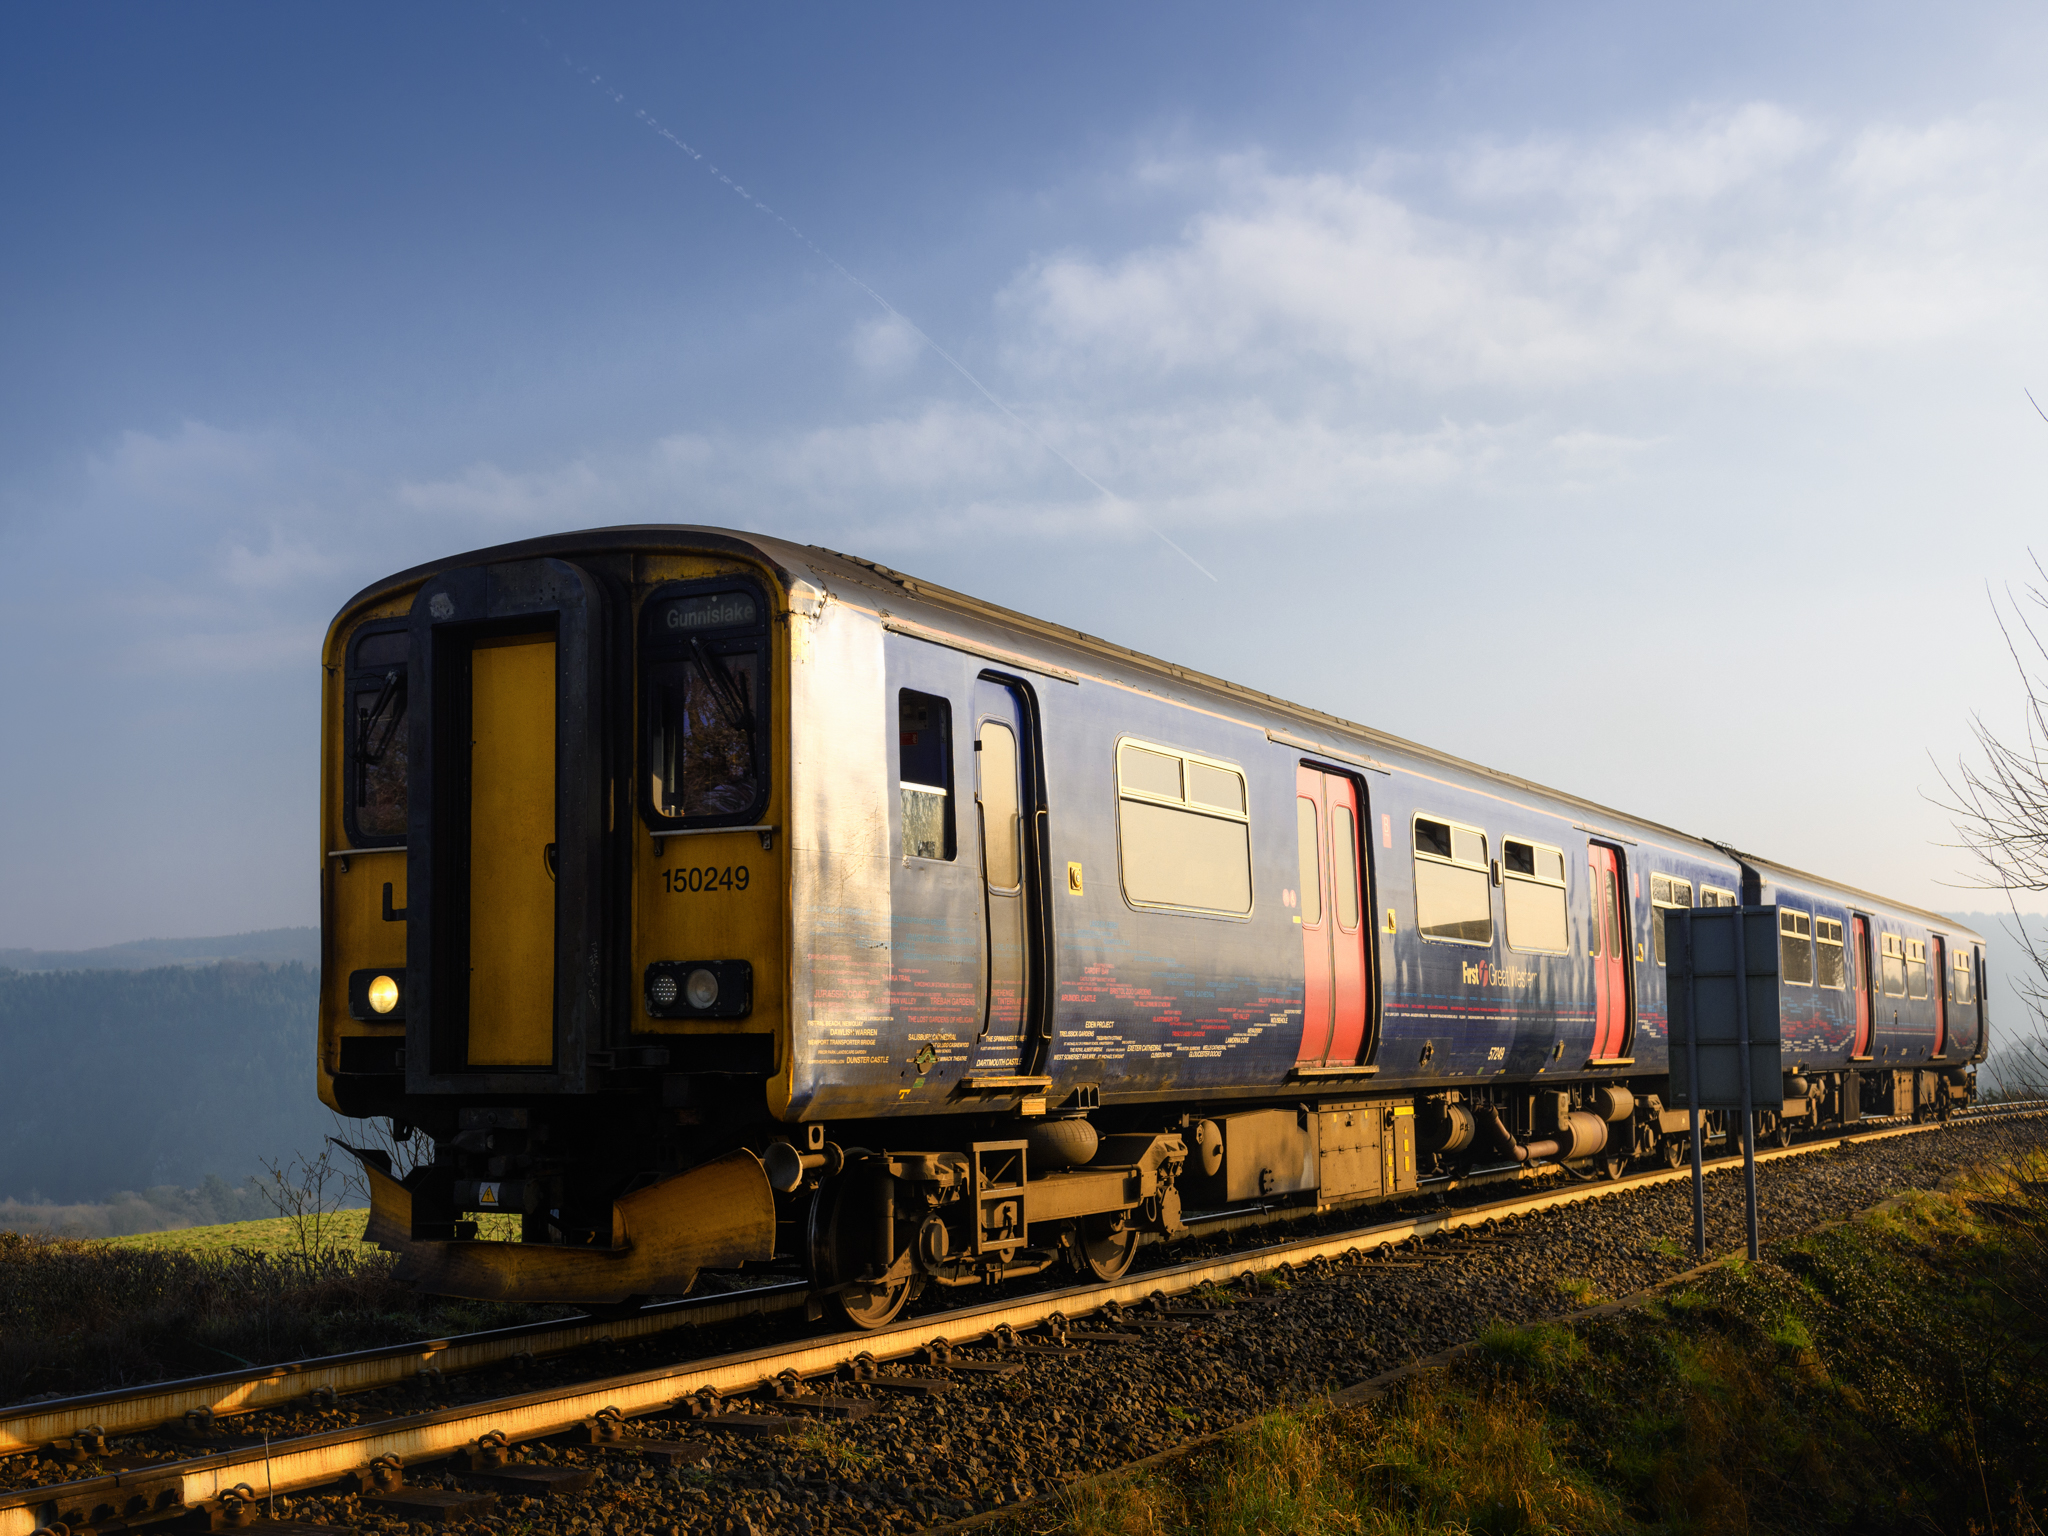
{"points": [[884, 346], [1737, 240]]}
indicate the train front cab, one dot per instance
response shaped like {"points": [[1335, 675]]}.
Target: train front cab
{"points": [[554, 912]]}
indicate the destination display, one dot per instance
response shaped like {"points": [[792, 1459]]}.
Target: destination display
{"points": [[708, 610]]}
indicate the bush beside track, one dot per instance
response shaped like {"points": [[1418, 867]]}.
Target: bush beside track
{"points": [[1883, 1374], [86, 1316]]}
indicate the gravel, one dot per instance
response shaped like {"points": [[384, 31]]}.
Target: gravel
{"points": [[988, 1442]]}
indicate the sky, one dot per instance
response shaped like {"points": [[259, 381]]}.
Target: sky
{"points": [[1630, 398]]}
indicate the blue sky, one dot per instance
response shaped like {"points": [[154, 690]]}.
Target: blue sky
{"points": [[1625, 398]]}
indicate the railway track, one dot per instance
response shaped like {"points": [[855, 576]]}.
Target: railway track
{"points": [[223, 1481]]}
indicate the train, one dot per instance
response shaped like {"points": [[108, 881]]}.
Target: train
{"points": [[703, 901]]}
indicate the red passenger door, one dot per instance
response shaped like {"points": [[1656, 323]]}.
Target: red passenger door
{"points": [[1332, 917], [1941, 986], [1861, 951], [1608, 945]]}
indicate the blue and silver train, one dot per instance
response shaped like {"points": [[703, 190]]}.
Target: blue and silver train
{"points": [[697, 899]]}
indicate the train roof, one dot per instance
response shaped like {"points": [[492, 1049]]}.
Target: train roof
{"points": [[791, 557]]}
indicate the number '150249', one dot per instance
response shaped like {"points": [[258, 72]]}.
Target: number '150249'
{"points": [[705, 879]]}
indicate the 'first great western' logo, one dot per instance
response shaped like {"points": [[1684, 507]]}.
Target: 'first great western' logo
{"points": [[1484, 973]]}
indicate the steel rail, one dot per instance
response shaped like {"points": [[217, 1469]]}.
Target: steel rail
{"points": [[128, 1411], [308, 1461], [28, 1426]]}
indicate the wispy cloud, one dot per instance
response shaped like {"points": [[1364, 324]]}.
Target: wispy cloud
{"points": [[1744, 238]]}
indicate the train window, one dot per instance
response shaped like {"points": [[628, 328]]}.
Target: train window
{"points": [[1892, 959], [924, 724], [1344, 878], [1829, 970], [1916, 968], [377, 739], [1665, 894], [1453, 897], [1714, 896], [1184, 835], [1964, 992], [1533, 897], [704, 662], [1795, 948], [1150, 773], [1308, 855]]}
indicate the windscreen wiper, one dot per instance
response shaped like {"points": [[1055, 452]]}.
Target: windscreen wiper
{"points": [[370, 745], [731, 702]]}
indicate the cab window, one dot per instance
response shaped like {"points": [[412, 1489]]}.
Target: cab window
{"points": [[924, 732], [376, 736], [704, 708]]}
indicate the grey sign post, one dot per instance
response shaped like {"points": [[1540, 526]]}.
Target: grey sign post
{"points": [[1724, 1030]]}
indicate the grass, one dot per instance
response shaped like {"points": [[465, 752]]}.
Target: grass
{"points": [[1884, 1375], [280, 1235], [89, 1315]]}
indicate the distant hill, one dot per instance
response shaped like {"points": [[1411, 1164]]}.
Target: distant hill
{"points": [[124, 1079], [270, 946]]}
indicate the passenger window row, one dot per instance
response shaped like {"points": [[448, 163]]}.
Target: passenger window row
{"points": [[1452, 879]]}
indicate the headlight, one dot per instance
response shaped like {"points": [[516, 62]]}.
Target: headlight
{"points": [[383, 994], [701, 989], [698, 989]]}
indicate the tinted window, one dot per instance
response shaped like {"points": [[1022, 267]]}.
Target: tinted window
{"points": [[1892, 965], [1184, 837], [1916, 968], [1795, 948], [1151, 773], [1533, 898], [1666, 892], [1453, 900], [1964, 990], [1828, 964], [377, 737], [924, 728]]}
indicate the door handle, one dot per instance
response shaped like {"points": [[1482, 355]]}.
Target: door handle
{"points": [[391, 914], [548, 858]]}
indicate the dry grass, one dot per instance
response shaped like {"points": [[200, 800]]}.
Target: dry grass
{"points": [[85, 1316], [1889, 1375]]}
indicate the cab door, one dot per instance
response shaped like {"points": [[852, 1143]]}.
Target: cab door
{"points": [[1608, 942], [505, 841], [1012, 904], [1335, 997]]}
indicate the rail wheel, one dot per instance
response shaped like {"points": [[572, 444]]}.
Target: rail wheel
{"points": [[1674, 1151], [1107, 1244], [1779, 1134], [842, 1243]]}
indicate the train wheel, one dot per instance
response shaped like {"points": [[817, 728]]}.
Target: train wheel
{"points": [[841, 1242], [1675, 1152], [1781, 1133], [1614, 1165], [1107, 1244]]}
